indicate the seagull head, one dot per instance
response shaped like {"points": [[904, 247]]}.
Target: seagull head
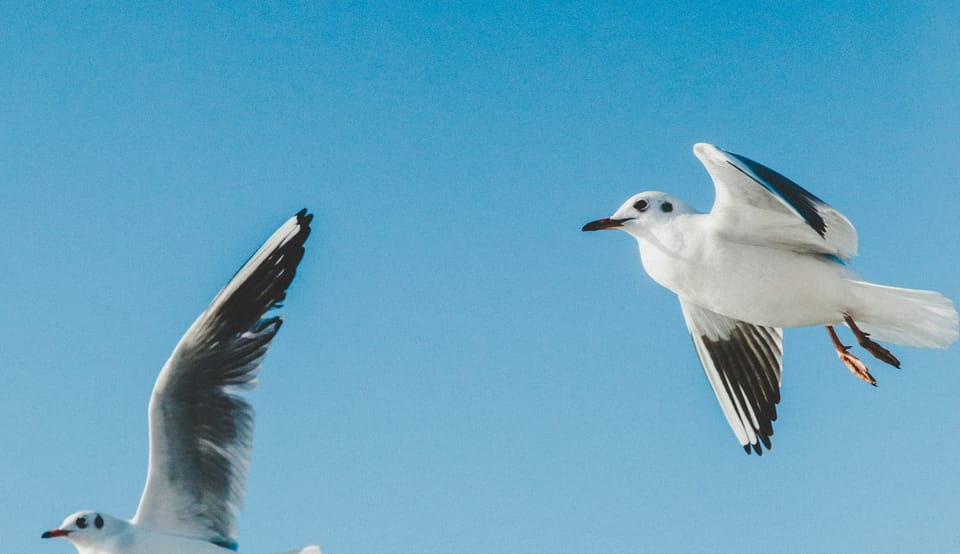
{"points": [[641, 212], [86, 528]]}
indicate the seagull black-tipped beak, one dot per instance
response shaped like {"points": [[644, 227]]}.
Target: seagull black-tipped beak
{"points": [[54, 533], [605, 223]]}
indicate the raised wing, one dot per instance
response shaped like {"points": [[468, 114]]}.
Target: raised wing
{"points": [[743, 364], [200, 428], [756, 204]]}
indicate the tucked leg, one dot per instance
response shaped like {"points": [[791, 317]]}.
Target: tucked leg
{"points": [[873, 348], [852, 362]]}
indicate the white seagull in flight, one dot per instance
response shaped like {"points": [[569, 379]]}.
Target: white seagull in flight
{"points": [[768, 255], [200, 428]]}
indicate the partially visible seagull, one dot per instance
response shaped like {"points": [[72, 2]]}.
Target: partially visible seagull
{"points": [[768, 255], [201, 430]]}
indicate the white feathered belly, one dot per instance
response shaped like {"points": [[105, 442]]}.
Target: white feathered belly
{"points": [[139, 540], [759, 285]]}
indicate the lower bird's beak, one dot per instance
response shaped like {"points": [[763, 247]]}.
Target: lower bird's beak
{"points": [[54, 533], [605, 223]]}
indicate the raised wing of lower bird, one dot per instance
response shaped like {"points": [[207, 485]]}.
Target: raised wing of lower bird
{"points": [[200, 428]]}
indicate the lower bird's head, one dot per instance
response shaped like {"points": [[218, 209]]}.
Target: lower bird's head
{"points": [[641, 212], [84, 528]]}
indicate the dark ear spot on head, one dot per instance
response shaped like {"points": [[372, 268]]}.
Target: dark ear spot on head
{"points": [[666, 206], [98, 522]]}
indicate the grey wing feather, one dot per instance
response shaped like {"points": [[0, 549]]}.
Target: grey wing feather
{"points": [[743, 364], [200, 428]]}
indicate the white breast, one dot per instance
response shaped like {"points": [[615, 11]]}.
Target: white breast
{"points": [[757, 284]]}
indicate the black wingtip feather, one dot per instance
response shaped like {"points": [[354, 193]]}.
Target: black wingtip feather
{"points": [[266, 288], [304, 218], [746, 383], [742, 357], [803, 201]]}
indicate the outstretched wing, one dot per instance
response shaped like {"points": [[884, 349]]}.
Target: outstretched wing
{"points": [[200, 428], [743, 364], [755, 203]]}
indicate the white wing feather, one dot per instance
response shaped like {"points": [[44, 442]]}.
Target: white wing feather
{"points": [[754, 202]]}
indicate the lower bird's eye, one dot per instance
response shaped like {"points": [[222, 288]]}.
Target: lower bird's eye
{"points": [[82, 522], [640, 205]]}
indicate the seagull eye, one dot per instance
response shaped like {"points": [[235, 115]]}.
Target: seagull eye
{"points": [[640, 205], [82, 522], [666, 206], [98, 522]]}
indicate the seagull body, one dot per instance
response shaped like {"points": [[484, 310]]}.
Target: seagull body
{"points": [[201, 430], [124, 537], [742, 281], [768, 255]]}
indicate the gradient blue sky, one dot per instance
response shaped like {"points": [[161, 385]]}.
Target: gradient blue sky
{"points": [[461, 369]]}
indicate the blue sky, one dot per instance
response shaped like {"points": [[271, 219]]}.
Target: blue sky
{"points": [[462, 370]]}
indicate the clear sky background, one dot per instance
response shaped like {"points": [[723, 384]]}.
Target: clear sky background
{"points": [[461, 369]]}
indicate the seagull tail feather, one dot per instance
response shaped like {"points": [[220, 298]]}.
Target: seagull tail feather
{"points": [[909, 317]]}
